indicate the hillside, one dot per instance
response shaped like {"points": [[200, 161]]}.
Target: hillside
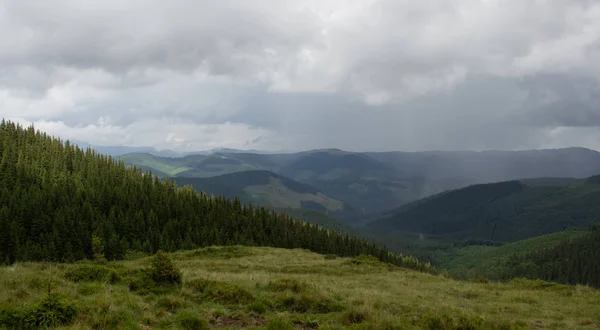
{"points": [[372, 183], [505, 211], [264, 188], [57, 198], [271, 190], [279, 289], [474, 261], [573, 260], [318, 218]]}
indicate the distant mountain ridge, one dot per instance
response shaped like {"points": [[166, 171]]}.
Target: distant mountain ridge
{"points": [[375, 182], [504, 211], [118, 150]]}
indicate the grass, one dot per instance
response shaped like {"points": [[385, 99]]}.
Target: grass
{"points": [[268, 288]]}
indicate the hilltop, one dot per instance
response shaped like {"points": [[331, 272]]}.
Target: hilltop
{"points": [[267, 288], [504, 211]]}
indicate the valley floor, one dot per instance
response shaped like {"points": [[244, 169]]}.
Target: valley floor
{"points": [[268, 288]]}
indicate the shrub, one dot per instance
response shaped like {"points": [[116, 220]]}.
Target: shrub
{"points": [[91, 273], [11, 318], [53, 310], [163, 270], [143, 284], [98, 250], [220, 292]]}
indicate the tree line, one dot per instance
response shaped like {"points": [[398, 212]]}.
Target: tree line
{"points": [[54, 196], [574, 261]]}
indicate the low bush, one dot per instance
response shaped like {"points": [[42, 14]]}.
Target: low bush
{"points": [[91, 273], [52, 311], [11, 317], [163, 270]]}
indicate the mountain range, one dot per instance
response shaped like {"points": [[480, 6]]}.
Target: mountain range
{"points": [[371, 183]]}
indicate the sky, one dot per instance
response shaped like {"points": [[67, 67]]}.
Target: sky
{"points": [[306, 74]]}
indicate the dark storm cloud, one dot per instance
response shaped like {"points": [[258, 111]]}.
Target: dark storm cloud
{"points": [[562, 100], [373, 74]]}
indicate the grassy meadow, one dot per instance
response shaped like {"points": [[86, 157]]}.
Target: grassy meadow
{"points": [[267, 288]]}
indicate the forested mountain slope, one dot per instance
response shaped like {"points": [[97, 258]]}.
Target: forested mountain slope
{"points": [[264, 188], [471, 260], [268, 189], [505, 211], [572, 261], [55, 197]]}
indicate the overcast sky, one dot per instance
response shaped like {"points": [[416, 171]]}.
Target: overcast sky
{"points": [[305, 74]]}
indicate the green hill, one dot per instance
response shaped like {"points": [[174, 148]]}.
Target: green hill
{"points": [[266, 288], [57, 198], [264, 188], [473, 261], [573, 260], [505, 211], [566, 257]]}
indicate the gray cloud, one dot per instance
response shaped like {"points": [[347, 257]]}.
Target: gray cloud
{"points": [[374, 74]]}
